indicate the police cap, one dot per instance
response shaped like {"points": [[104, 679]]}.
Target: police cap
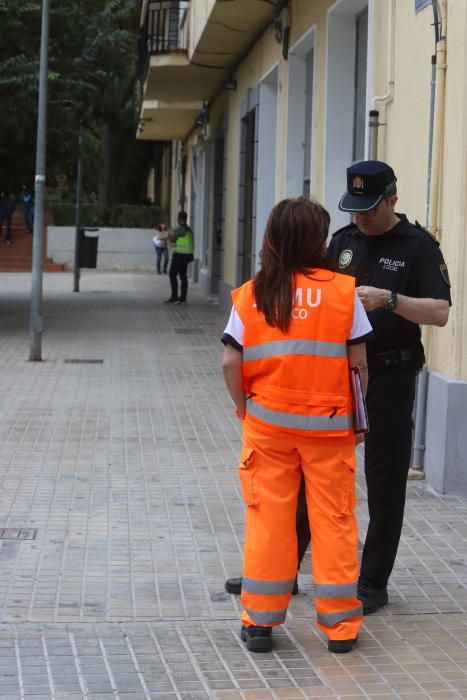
{"points": [[367, 183]]}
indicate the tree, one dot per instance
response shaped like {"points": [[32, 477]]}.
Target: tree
{"points": [[92, 76]]}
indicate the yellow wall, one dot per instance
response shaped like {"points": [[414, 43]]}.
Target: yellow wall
{"points": [[450, 348], [199, 13]]}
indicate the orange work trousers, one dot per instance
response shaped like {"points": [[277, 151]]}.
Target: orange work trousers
{"points": [[270, 470]]}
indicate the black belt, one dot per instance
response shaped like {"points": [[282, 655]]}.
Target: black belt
{"points": [[394, 358]]}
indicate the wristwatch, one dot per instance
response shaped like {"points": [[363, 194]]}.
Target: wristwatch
{"points": [[391, 303]]}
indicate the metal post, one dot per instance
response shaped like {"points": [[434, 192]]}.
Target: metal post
{"points": [[76, 268], [420, 420], [373, 134], [36, 321]]}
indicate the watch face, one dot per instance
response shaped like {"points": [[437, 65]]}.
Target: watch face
{"points": [[391, 302]]}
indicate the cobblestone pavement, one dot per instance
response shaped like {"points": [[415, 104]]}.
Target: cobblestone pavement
{"points": [[122, 470]]}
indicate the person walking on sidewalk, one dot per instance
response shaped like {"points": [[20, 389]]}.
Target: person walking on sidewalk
{"points": [[403, 282], [28, 209], [182, 255], [293, 332], [7, 208], [161, 247]]}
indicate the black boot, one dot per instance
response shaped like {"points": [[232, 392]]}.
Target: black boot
{"points": [[341, 646], [234, 586], [257, 639], [372, 599]]}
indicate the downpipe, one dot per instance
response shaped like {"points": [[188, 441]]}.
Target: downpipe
{"points": [[433, 211], [373, 122]]}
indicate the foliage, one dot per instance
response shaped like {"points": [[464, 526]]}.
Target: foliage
{"points": [[121, 215], [92, 75]]}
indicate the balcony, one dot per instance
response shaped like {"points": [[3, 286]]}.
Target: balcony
{"points": [[164, 66], [179, 71], [164, 28]]}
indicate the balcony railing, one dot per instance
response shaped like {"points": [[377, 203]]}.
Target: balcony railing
{"points": [[165, 27]]}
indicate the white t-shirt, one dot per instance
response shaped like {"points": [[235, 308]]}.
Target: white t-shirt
{"points": [[360, 332]]}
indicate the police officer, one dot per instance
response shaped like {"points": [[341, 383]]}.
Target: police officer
{"points": [[403, 282]]}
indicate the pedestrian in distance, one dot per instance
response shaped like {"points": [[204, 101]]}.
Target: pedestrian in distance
{"points": [[161, 247], [28, 209], [7, 208], [403, 282], [293, 333], [182, 255]]}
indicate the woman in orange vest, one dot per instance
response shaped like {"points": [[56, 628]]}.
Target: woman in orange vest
{"points": [[293, 332]]}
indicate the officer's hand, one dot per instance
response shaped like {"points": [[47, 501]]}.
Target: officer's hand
{"points": [[360, 437], [372, 297]]}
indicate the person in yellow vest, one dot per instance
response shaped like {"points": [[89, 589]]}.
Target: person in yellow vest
{"points": [[293, 333], [183, 242]]}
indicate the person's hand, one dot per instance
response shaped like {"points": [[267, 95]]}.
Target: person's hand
{"points": [[372, 297], [240, 413], [359, 438]]}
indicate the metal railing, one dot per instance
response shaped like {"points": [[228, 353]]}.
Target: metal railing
{"points": [[165, 27]]}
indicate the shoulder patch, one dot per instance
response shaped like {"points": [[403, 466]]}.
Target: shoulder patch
{"points": [[345, 258], [443, 268], [428, 233], [349, 227]]}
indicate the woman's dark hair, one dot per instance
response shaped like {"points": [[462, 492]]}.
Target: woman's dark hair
{"points": [[294, 242]]}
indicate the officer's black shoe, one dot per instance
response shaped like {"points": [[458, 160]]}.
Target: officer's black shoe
{"points": [[234, 586], [172, 300], [257, 639], [341, 646], [372, 599]]}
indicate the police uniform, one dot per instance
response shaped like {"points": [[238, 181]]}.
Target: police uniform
{"points": [[406, 260]]}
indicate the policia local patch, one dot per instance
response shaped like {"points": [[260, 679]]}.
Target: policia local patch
{"points": [[345, 258]]}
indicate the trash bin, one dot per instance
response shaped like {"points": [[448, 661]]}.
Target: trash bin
{"points": [[88, 242]]}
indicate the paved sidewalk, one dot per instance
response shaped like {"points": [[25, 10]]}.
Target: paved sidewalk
{"points": [[122, 466]]}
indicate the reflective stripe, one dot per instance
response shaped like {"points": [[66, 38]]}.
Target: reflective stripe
{"points": [[253, 585], [294, 347], [298, 420], [331, 619], [336, 590], [267, 618]]}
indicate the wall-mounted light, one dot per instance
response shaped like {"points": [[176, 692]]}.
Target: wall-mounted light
{"points": [[203, 118], [230, 84], [281, 23]]}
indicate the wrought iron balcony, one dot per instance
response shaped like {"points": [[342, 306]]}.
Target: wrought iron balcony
{"points": [[165, 28]]}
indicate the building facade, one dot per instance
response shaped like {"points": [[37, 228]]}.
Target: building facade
{"points": [[264, 100]]}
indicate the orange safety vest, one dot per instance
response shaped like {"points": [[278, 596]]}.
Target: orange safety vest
{"points": [[299, 380]]}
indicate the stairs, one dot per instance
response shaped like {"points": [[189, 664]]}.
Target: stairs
{"points": [[18, 256]]}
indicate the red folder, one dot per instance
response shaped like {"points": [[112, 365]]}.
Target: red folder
{"points": [[360, 414]]}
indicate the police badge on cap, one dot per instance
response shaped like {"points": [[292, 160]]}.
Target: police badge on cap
{"points": [[367, 183]]}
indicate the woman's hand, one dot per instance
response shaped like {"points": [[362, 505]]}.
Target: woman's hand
{"points": [[240, 413]]}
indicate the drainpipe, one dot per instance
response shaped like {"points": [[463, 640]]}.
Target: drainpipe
{"points": [[438, 126], [374, 122], [433, 210]]}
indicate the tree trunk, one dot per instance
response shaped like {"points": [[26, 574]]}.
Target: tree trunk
{"points": [[110, 143]]}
